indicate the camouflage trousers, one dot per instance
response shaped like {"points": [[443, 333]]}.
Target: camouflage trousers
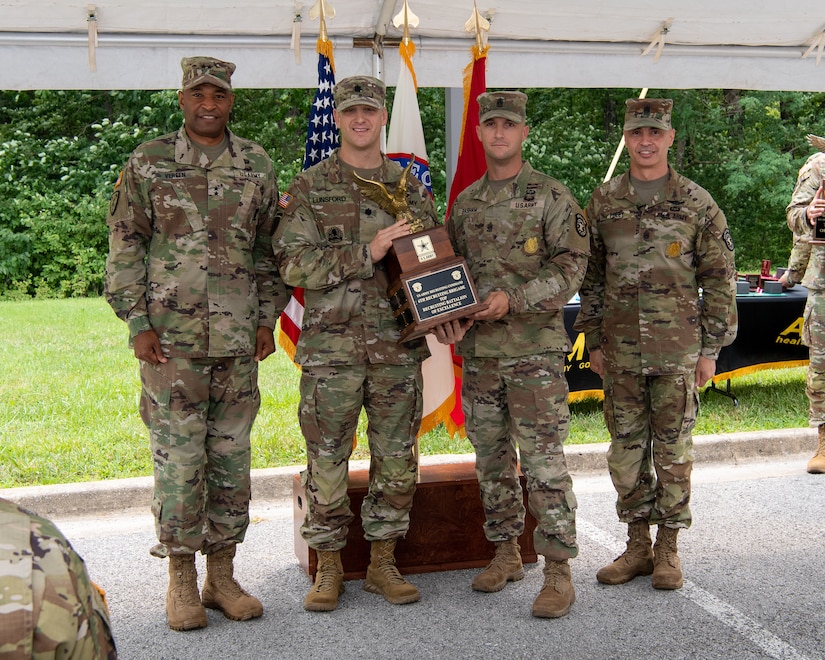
{"points": [[813, 336], [331, 403], [199, 413], [650, 419], [515, 410]]}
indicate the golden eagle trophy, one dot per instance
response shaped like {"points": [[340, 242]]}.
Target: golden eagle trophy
{"points": [[394, 203], [427, 284]]}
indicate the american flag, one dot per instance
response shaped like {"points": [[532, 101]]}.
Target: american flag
{"points": [[322, 136], [322, 140]]}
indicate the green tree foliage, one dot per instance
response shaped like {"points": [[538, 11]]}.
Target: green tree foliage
{"points": [[61, 151]]}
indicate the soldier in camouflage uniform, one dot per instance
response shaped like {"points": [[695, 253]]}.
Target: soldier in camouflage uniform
{"points": [[331, 241], [656, 240], [49, 608], [526, 243], [191, 271], [807, 266]]}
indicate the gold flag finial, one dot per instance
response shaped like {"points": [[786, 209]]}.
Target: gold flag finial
{"points": [[478, 25], [406, 18], [323, 10]]}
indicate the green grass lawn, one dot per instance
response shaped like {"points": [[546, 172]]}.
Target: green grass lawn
{"points": [[69, 390]]}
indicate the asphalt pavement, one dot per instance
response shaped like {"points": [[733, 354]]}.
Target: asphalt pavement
{"points": [[754, 565]]}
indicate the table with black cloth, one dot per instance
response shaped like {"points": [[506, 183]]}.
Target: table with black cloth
{"points": [[769, 337]]}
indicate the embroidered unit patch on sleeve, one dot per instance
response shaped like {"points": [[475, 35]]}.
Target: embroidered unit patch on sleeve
{"points": [[728, 239]]}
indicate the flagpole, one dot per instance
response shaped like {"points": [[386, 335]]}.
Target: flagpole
{"points": [[618, 153]]}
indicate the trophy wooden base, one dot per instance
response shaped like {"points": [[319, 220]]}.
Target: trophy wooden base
{"points": [[429, 284], [445, 531]]}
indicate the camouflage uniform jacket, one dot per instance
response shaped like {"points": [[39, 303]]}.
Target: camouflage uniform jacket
{"points": [[322, 245], [640, 299], [529, 240], [799, 259], [807, 261], [190, 251], [49, 608]]}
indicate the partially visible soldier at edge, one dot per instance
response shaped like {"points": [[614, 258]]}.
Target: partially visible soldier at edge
{"points": [[807, 266], [526, 243], [332, 241], [657, 238], [49, 607], [191, 271]]}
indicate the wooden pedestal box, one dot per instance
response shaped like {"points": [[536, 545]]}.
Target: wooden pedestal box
{"points": [[445, 525]]}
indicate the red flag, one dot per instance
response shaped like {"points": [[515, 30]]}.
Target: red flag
{"points": [[471, 166]]}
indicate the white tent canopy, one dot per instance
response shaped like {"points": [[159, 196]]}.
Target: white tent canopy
{"points": [[758, 44]]}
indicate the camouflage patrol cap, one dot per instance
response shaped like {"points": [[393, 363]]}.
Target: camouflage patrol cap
{"points": [[648, 112], [359, 90], [198, 70], [510, 105]]}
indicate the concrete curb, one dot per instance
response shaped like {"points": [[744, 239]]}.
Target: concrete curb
{"points": [[275, 484]]}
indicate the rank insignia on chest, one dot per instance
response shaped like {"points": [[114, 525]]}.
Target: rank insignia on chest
{"points": [[531, 245], [284, 200], [335, 233], [674, 249]]}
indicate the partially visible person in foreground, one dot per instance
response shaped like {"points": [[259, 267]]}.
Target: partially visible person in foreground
{"points": [[49, 607]]}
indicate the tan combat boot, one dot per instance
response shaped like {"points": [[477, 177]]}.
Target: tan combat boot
{"points": [[383, 577], [667, 569], [184, 610], [557, 594], [505, 567], [817, 464], [329, 582], [636, 560], [221, 590]]}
